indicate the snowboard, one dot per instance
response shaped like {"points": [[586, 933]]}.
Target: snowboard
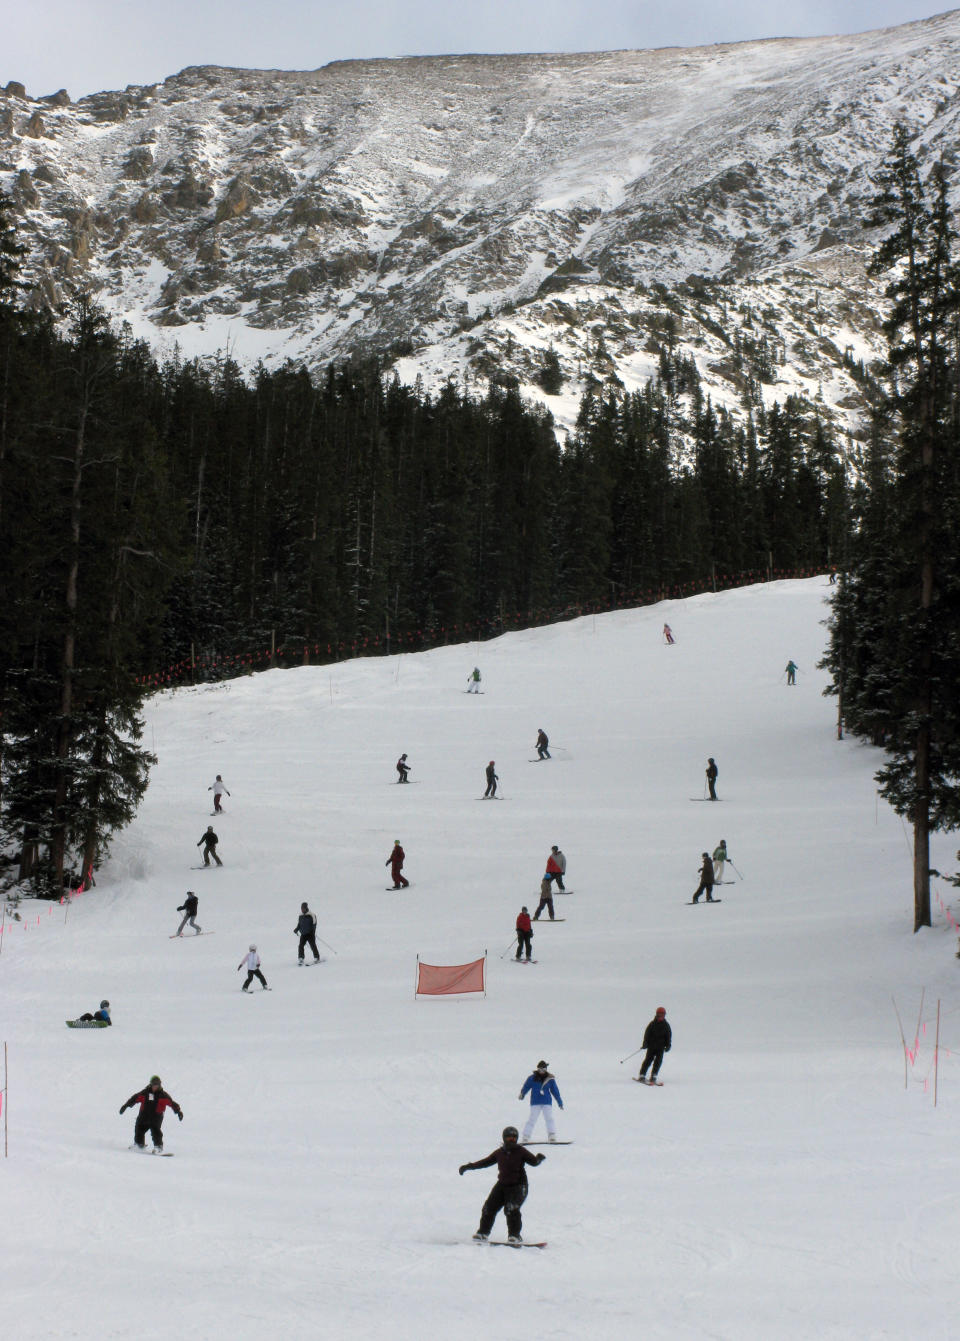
{"points": [[690, 903], [563, 891], [502, 1243], [249, 991], [142, 1150], [658, 1083], [211, 867], [705, 798], [86, 1024], [546, 1143], [475, 691], [541, 761], [182, 935], [398, 889], [493, 798], [547, 919]]}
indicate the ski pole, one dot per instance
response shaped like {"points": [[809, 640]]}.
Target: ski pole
{"points": [[734, 867], [327, 944], [509, 948], [630, 1054]]}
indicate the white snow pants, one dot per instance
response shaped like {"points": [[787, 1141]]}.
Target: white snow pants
{"points": [[718, 872], [535, 1111]]}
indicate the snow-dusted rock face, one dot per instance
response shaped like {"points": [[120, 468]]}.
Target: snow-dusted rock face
{"points": [[463, 214]]}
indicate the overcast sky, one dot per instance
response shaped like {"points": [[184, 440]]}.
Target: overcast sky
{"points": [[87, 45]]}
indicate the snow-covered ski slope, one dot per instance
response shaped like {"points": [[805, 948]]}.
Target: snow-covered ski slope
{"points": [[784, 1184]]}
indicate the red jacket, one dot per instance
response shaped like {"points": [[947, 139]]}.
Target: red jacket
{"points": [[523, 922], [553, 866], [396, 857]]}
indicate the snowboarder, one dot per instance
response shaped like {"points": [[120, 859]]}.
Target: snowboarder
{"points": [[542, 743], [719, 860], [154, 1101], [542, 1089], [403, 768], [473, 683], [210, 841], [791, 669], [706, 879], [252, 961], [668, 635], [492, 781], [189, 910], [218, 788], [395, 862], [712, 771], [546, 899], [524, 934], [556, 866], [306, 929], [657, 1038], [510, 1190], [103, 1014]]}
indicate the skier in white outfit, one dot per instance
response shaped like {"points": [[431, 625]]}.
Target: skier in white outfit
{"points": [[542, 1089], [252, 961]]}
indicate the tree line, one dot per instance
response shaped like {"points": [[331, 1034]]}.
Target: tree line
{"points": [[154, 512]]}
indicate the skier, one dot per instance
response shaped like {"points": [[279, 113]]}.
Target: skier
{"points": [[719, 859], [395, 862], [252, 961], [543, 1090], [668, 635], [712, 771], [153, 1100], [546, 899], [510, 1190], [524, 934], [306, 929], [103, 1014], [542, 743], [473, 683], [492, 781], [657, 1038], [210, 841], [706, 879], [556, 866], [403, 768], [791, 670], [189, 910], [218, 788]]}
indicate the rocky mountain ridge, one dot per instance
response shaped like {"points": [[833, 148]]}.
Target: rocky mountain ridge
{"points": [[557, 222]]}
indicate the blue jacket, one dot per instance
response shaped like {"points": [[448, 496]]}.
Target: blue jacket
{"points": [[541, 1091]]}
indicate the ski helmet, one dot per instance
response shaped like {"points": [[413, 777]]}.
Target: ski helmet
{"points": [[509, 1132], [253, 947], [104, 1005], [661, 1010]]}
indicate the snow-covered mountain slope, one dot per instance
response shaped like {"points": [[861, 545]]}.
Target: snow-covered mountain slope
{"points": [[783, 1183], [464, 214]]}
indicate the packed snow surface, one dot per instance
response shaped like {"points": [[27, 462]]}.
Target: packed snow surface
{"points": [[784, 1183]]}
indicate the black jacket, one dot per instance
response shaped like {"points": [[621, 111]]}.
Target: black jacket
{"points": [[658, 1034], [306, 924], [189, 905], [209, 839], [510, 1164], [152, 1102]]}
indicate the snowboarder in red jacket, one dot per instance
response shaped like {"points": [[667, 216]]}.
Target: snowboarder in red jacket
{"points": [[153, 1100], [395, 862]]}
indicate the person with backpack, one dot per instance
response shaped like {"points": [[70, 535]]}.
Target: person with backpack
{"points": [[510, 1190], [306, 929], [189, 909]]}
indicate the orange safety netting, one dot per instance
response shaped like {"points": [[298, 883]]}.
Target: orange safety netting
{"points": [[445, 979]]}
